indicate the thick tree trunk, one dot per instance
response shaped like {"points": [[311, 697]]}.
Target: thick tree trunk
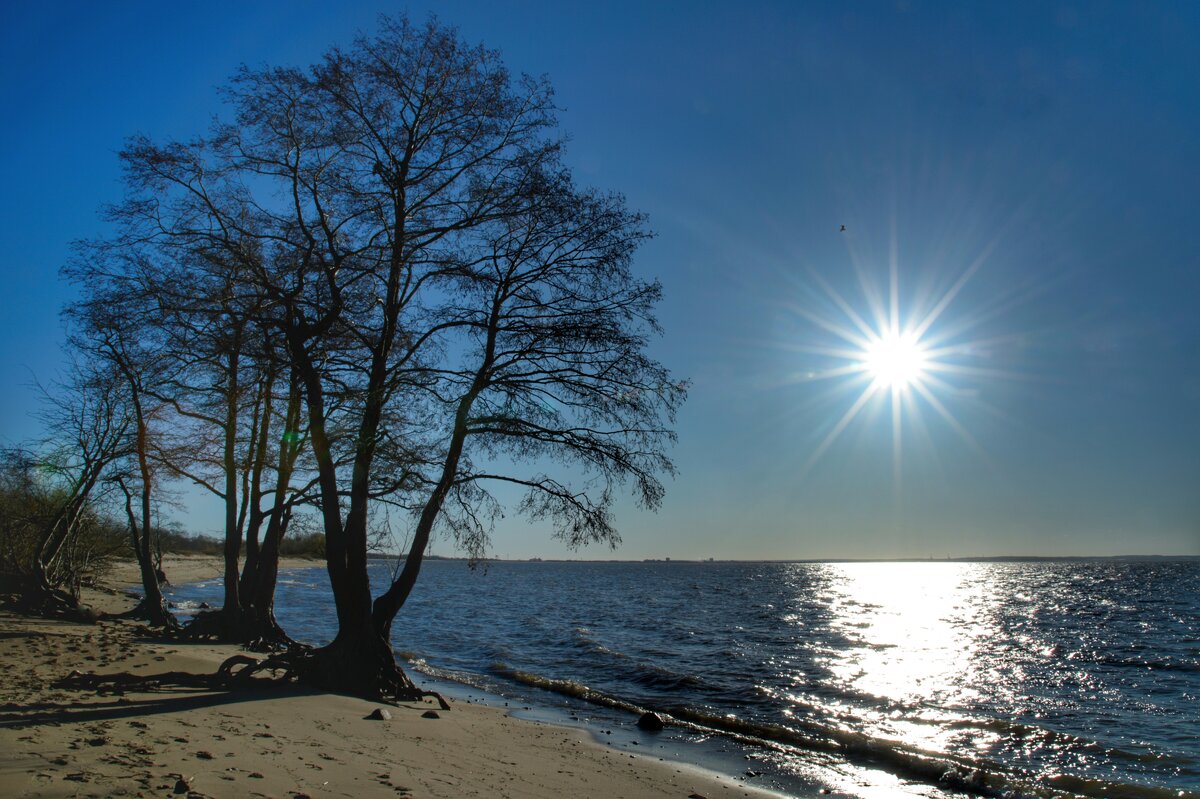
{"points": [[331, 514], [361, 662], [389, 603], [264, 628]]}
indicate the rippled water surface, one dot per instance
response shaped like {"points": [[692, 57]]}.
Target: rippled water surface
{"points": [[1077, 678]]}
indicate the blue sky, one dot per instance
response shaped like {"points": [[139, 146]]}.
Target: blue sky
{"points": [[1056, 146]]}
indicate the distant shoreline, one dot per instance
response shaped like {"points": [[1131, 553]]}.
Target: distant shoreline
{"points": [[970, 559]]}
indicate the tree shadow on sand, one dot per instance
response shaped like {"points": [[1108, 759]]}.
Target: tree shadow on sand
{"points": [[176, 691]]}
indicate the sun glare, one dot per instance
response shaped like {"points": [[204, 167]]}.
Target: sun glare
{"points": [[895, 360], [893, 355]]}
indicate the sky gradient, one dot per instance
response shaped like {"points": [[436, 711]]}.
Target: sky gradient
{"points": [[1049, 153]]}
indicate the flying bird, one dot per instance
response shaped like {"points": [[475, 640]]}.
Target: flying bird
{"points": [[843, 230]]}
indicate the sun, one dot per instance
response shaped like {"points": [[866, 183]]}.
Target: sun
{"points": [[895, 360], [893, 356]]}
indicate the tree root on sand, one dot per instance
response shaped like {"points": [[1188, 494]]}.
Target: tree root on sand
{"points": [[308, 666]]}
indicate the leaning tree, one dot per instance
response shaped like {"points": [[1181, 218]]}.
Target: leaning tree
{"points": [[109, 330], [52, 491]]}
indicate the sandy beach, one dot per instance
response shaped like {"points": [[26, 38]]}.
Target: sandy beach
{"points": [[173, 739]]}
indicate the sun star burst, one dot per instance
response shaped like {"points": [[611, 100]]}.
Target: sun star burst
{"points": [[905, 360]]}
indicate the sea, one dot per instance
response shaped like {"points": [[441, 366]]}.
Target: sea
{"points": [[867, 679]]}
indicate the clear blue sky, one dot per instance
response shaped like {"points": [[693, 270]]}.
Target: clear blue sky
{"points": [[1057, 144]]}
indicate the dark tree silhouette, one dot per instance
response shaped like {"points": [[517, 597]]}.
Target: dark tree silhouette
{"points": [[105, 331], [454, 312], [170, 281]]}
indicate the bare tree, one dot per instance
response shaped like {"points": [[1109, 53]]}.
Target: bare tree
{"points": [[449, 304], [87, 424], [170, 280], [104, 332], [553, 367], [430, 217]]}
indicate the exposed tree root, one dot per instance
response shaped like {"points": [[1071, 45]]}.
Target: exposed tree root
{"points": [[255, 635], [158, 617], [306, 666], [238, 673], [212, 625], [49, 602]]}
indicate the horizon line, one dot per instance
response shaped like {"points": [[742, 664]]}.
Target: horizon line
{"points": [[909, 559]]}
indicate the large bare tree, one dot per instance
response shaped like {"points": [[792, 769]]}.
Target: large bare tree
{"points": [[455, 313]]}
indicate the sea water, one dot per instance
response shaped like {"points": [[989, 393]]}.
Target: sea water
{"points": [[1007, 679]]}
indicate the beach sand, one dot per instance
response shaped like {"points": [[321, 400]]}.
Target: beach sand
{"points": [[69, 740]]}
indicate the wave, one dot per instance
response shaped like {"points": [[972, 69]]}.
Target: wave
{"points": [[980, 777], [1154, 665], [580, 639], [660, 679], [640, 673]]}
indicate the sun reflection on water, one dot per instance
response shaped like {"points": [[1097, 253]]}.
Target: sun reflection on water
{"points": [[914, 634], [916, 625]]}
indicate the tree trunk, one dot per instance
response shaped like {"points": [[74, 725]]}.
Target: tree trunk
{"points": [[253, 486], [361, 662], [153, 607], [231, 610], [389, 603], [56, 535]]}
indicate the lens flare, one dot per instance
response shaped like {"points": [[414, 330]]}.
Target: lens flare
{"points": [[900, 357], [895, 360]]}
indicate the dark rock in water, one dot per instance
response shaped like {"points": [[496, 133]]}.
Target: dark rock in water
{"points": [[181, 786], [650, 722], [751, 773], [205, 606], [380, 714], [430, 714]]}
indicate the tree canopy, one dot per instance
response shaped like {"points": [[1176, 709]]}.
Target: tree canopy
{"points": [[383, 261]]}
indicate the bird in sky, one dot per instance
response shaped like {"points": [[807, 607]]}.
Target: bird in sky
{"points": [[843, 230]]}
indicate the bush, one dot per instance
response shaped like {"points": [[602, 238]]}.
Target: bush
{"points": [[29, 503], [303, 546]]}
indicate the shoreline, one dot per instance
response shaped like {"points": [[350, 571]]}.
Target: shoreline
{"points": [[60, 739]]}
